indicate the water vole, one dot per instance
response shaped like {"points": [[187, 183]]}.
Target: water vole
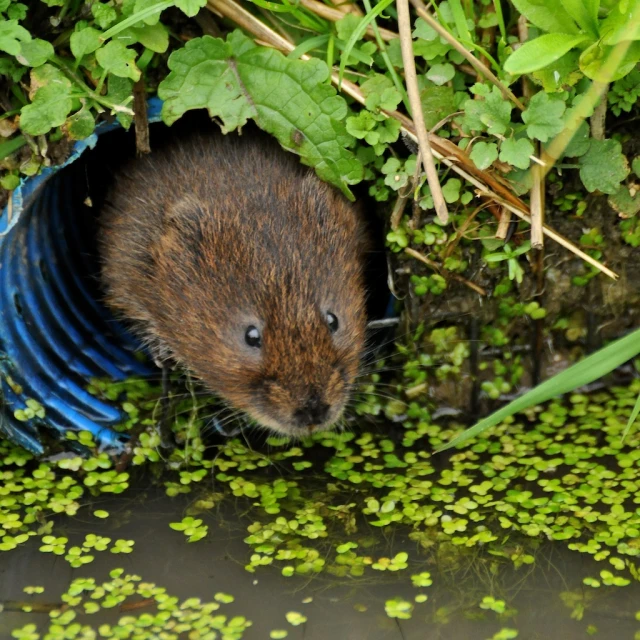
{"points": [[240, 264]]}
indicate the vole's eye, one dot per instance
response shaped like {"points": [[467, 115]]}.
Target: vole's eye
{"points": [[252, 337], [332, 321]]}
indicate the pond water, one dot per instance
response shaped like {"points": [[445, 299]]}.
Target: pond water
{"points": [[340, 608]]}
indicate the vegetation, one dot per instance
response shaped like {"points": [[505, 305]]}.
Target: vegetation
{"points": [[524, 102]]}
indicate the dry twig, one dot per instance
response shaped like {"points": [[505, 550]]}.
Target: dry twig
{"points": [[411, 80]]}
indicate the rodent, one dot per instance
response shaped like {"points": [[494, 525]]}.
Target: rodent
{"points": [[237, 262]]}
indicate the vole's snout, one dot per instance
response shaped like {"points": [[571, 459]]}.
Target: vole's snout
{"points": [[313, 412]]}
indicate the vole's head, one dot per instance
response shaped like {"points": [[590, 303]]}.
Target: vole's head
{"points": [[291, 364]]}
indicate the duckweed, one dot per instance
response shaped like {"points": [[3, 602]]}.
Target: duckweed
{"points": [[559, 472]]}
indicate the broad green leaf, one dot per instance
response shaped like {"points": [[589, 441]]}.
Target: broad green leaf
{"points": [[591, 368], [85, 41], [115, 58], [604, 166], [622, 23], [17, 11], [11, 35], [51, 102], [493, 113], [537, 54], [35, 53], [12, 70], [440, 74], [580, 141], [543, 117], [548, 15], [593, 62], [80, 125], [516, 152], [120, 92], [562, 73], [190, 7], [237, 80], [151, 36], [437, 103], [484, 154], [585, 13]]}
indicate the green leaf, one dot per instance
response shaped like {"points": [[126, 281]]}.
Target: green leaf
{"points": [[85, 41], [11, 35], [624, 203], [380, 93], [190, 7], [346, 26], [117, 59], [580, 142], [593, 62], [120, 91], [484, 154], [562, 73], [516, 152], [493, 113], [440, 74], [604, 166], [548, 15], [537, 54], [622, 23], [10, 69], [632, 418], [80, 125], [543, 117], [451, 190], [51, 103], [591, 368], [235, 80], [437, 103], [103, 14], [17, 11], [151, 36], [144, 5], [35, 53], [585, 13]]}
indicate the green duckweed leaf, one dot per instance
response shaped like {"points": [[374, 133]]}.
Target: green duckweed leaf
{"points": [[235, 79]]}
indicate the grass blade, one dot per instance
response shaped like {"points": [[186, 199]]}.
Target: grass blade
{"points": [[632, 417], [359, 32], [591, 368]]}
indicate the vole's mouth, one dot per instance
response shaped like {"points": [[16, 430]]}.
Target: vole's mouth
{"points": [[292, 428]]}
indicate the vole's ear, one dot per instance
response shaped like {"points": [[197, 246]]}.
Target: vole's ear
{"points": [[180, 227]]}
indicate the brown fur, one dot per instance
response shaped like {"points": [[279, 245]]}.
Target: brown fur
{"points": [[216, 233]]}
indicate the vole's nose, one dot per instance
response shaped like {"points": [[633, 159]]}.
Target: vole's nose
{"points": [[313, 412]]}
